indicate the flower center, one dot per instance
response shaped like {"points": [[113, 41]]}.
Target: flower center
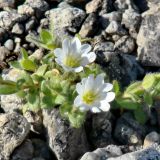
{"points": [[72, 61], [89, 97]]}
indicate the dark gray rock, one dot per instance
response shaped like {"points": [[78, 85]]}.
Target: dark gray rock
{"points": [[142, 5], [30, 24], [124, 68], [128, 131], [13, 130], [9, 18], [9, 44], [125, 44], [100, 131], [90, 26], [148, 38], [66, 142], [18, 29], [77, 2], [3, 34]]}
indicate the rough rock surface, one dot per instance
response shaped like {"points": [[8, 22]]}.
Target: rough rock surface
{"points": [[148, 38], [66, 142], [13, 130]]}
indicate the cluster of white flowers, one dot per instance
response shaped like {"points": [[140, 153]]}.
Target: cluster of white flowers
{"points": [[93, 93]]}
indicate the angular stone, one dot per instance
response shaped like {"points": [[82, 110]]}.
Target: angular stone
{"points": [[13, 130], [4, 52], [148, 38], [7, 3], [66, 142]]}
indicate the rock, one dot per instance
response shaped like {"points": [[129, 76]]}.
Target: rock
{"points": [[4, 52], [104, 50], [18, 29], [102, 6], [90, 26], [11, 103], [100, 130], [64, 4], [125, 4], [38, 54], [115, 28], [13, 130], [26, 9], [30, 24], [124, 68], [66, 20], [32, 149], [148, 38], [128, 131], [9, 44], [8, 19], [24, 151], [131, 20], [2, 34], [103, 153], [7, 3], [40, 5], [106, 19], [66, 142], [35, 120], [142, 5], [125, 44], [76, 2], [151, 139], [145, 154]]}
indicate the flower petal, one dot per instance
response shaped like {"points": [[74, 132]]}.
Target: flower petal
{"points": [[107, 87], [88, 58], [83, 108], [110, 96], [66, 45], [89, 84], [95, 110], [58, 52], [85, 48], [78, 69], [77, 101], [75, 45], [105, 106], [79, 88]]}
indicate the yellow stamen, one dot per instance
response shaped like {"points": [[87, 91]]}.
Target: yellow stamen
{"points": [[72, 61], [89, 97]]}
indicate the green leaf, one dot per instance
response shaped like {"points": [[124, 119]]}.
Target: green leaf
{"points": [[33, 100], [21, 94], [116, 87], [148, 98], [60, 99], [41, 70], [15, 64], [48, 101], [140, 115], [134, 88], [127, 103], [46, 36], [7, 89], [24, 53], [28, 65], [148, 81], [27, 77]]}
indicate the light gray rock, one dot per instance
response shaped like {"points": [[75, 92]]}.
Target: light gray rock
{"points": [[26, 9], [125, 4], [148, 38], [115, 28], [90, 26], [131, 20], [18, 29], [8, 19], [13, 130], [103, 153], [125, 44], [128, 131], [7, 3], [66, 20], [11, 103], [151, 139], [152, 153], [66, 142], [4, 53], [107, 18], [9, 44]]}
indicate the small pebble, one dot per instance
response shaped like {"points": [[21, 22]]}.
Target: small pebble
{"points": [[9, 44], [18, 29]]}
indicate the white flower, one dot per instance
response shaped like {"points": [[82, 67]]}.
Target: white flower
{"points": [[94, 94], [73, 56]]}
